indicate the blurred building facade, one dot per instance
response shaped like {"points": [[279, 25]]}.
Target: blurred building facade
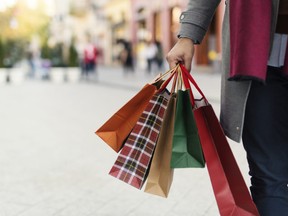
{"points": [[118, 29], [160, 21], [136, 22], [108, 23]]}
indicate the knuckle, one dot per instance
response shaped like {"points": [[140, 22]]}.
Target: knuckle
{"points": [[168, 56]]}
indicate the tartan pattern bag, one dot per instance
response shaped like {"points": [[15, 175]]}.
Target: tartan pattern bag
{"points": [[133, 161]]}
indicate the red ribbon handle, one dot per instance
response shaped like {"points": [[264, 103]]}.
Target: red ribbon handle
{"points": [[191, 79]]}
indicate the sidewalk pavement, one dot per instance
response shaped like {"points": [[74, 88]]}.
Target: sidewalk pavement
{"points": [[52, 163]]}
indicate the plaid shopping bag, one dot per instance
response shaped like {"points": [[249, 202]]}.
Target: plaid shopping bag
{"points": [[133, 161]]}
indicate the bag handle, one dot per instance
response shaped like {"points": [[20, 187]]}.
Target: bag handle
{"points": [[186, 78], [187, 86], [166, 82], [161, 76], [175, 82]]}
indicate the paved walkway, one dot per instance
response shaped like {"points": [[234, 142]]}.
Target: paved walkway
{"points": [[52, 163]]}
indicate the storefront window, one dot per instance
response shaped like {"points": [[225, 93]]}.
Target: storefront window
{"points": [[175, 14]]}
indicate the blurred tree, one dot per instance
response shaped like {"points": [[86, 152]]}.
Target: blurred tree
{"points": [[2, 53], [54, 54], [21, 22], [18, 24], [73, 60], [11, 51]]}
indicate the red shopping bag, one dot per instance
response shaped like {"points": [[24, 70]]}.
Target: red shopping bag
{"points": [[230, 190]]}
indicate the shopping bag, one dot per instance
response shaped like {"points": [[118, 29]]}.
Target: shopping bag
{"points": [[160, 175], [132, 163], [230, 190], [186, 147], [116, 129]]}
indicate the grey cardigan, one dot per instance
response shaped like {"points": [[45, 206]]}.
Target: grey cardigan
{"points": [[194, 24]]}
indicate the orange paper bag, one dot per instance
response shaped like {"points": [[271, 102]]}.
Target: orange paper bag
{"points": [[116, 129]]}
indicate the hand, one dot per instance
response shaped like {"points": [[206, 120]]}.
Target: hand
{"points": [[182, 52]]}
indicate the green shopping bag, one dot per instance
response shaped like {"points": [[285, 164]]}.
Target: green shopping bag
{"points": [[186, 147]]}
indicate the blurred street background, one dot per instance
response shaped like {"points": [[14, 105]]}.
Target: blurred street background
{"points": [[65, 67]]}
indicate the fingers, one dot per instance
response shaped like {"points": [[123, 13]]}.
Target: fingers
{"points": [[182, 53], [173, 60]]}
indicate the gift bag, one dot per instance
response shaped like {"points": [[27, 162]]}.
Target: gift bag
{"points": [[116, 129], [132, 163], [230, 190], [186, 147], [160, 176]]}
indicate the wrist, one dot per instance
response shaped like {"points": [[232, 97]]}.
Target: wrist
{"points": [[187, 40]]}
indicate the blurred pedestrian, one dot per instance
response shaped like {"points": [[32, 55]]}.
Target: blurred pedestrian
{"points": [[150, 54], [159, 55], [126, 58], [254, 100], [31, 63], [90, 59]]}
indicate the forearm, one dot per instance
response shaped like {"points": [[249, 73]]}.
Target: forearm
{"points": [[197, 18]]}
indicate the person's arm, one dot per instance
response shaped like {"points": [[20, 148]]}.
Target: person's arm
{"points": [[194, 25]]}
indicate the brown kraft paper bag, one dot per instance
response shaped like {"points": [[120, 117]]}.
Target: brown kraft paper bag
{"points": [[160, 176]]}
